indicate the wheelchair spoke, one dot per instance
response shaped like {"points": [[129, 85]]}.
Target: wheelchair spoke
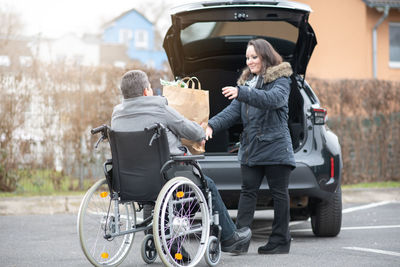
{"points": [[181, 224], [96, 219]]}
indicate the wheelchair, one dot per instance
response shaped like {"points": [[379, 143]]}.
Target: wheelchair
{"points": [[142, 172]]}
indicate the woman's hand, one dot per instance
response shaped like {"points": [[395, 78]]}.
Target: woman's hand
{"points": [[230, 92]]}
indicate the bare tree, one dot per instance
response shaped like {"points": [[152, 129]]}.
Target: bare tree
{"points": [[11, 26], [14, 100]]}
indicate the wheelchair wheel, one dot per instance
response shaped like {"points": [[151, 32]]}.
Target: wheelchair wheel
{"points": [[96, 218], [213, 251], [148, 249], [181, 223]]}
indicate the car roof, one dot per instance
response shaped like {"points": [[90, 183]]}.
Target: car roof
{"points": [[240, 3]]}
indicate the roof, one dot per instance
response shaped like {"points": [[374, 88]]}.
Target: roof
{"points": [[382, 3], [105, 25]]}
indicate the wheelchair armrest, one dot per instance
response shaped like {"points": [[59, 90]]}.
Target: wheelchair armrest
{"points": [[191, 159], [187, 158]]}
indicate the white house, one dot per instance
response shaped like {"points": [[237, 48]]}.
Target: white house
{"points": [[70, 48]]}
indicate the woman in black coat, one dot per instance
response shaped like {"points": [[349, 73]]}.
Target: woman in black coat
{"points": [[260, 101]]}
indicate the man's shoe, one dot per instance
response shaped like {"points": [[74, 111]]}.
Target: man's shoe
{"points": [[240, 237], [243, 248], [274, 248], [179, 255]]}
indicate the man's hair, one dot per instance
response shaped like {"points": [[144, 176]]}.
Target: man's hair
{"points": [[133, 83]]}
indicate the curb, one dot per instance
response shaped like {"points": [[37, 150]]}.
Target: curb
{"points": [[370, 195], [40, 205], [70, 204]]}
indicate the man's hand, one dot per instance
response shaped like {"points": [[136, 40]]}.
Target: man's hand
{"points": [[230, 92], [208, 129], [209, 132]]}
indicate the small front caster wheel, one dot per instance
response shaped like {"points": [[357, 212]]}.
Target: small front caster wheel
{"points": [[148, 250], [213, 251]]}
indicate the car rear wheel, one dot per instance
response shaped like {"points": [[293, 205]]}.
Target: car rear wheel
{"points": [[326, 220]]}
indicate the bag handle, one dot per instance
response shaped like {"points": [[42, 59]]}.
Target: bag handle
{"points": [[191, 82]]}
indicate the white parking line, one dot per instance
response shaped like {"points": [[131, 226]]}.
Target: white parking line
{"points": [[368, 206], [266, 228], [385, 252], [371, 227], [355, 228], [348, 210]]}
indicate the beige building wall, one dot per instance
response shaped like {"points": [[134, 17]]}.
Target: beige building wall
{"points": [[344, 35]]}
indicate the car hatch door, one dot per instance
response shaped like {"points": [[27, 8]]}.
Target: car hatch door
{"points": [[230, 18], [304, 47]]}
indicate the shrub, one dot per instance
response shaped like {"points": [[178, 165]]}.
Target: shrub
{"points": [[365, 114]]}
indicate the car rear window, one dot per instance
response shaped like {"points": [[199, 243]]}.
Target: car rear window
{"points": [[205, 30]]}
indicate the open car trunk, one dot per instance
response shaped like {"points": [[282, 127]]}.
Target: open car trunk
{"points": [[228, 141], [208, 40]]}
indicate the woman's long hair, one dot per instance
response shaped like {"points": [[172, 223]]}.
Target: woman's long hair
{"points": [[269, 57]]}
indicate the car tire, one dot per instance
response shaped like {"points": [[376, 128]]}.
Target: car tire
{"points": [[326, 220]]}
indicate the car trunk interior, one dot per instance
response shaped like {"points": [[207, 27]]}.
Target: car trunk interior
{"points": [[214, 52], [227, 141], [226, 55]]}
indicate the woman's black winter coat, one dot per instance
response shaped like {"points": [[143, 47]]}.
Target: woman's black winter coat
{"points": [[265, 139]]}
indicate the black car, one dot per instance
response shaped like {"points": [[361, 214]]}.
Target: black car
{"points": [[208, 40]]}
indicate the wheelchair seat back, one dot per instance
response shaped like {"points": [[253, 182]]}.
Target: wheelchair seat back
{"points": [[137, 158]]}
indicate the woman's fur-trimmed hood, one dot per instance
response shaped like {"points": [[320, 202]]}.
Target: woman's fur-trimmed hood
{"points": [[272, 73]]}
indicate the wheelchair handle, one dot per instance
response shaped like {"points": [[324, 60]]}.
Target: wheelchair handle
{"points": [[154, 126], [98, 129], [103, 129]]}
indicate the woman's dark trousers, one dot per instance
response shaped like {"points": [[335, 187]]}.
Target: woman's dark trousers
{"points": [[278, 180]]}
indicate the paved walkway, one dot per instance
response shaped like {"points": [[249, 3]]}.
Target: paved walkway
{"points": [[70, 204]]}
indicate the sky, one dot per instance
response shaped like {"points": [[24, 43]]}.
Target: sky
{"points": [[54, 18]]}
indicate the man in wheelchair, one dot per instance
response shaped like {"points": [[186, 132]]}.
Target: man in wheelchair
{"points": [[140, 109]]}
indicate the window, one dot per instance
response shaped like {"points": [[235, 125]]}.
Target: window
{"points": [[119, 64], [125, 35], [25, 61], [394, 49], [197, 31], [151, 64], [204, 30], [5, 61], [141, 39], [210, 36]]}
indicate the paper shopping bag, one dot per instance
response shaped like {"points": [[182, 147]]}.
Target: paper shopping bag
{"points": [[193, 103]]}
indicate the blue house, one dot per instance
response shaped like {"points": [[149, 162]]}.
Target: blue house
{"points": [[131, 37]]}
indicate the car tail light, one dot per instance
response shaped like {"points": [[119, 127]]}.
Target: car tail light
{"points": [[319, 115], [332, 167]]}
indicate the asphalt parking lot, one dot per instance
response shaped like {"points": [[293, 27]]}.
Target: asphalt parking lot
{"points": [[369, 237]]}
